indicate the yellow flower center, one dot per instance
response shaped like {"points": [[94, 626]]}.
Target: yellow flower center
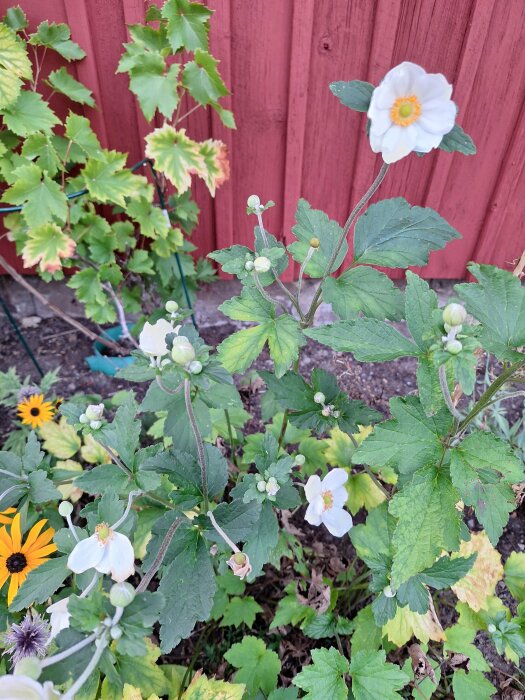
{"points": [[405, 110], [103, 532], [328, 500]]}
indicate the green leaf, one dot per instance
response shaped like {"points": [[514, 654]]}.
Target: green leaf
{"points": [[29, 113], [325, 677], [99, 478], [175, 155], [355, 94], [41, 583], [368, 339], [15, 18], [367, 635], [239, 611], [123, 434], [108, 182], [188, 24], [62, 81], [41, 489], [515, 575], [41, 198], [155, 87], [458, 140], [258, 666], [363, 290], [392, 233], [461, 641], [445, 572], [428, 522], [14, 66], [141, 262], [313, 223], [498, 301], [188, 585], [262, 540], [202, 79], [471, 686], [363, 493], [57, 37], [143, 672], [78, 129], [482, 469], [373, 677], [40, 147], [420, 304], [407, 442]]}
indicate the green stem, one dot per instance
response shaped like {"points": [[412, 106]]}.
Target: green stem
{"points": [[442, 372], [283, 428], [150, 573], [353, 216], [376, 481], [230, 436], [200, 445], [114, 457]]}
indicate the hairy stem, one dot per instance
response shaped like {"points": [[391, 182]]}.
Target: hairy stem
{"points": [[230, 436], [103, 642], [165, 388], [150, 573], [200, 445], [221, 532], [114, 457], [376, 481], [56, 658], [120, 313], [446, 393]]}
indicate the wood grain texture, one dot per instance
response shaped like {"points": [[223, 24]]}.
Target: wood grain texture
{"points": [[293, 137]]}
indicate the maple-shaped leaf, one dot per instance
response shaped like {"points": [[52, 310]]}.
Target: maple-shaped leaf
{"points": [[29, 113], [480, 582], [374, 677], [325, 676], [407, 624], [62, 81], [176, 155], [216, 165], [42, 198], [56, 36], [154, 86], [79, 131], [202, 79], [47, 245], [201, 688], [188, 24], [108, 181], [14, 66]]}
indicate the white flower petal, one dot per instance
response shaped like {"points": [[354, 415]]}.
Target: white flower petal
{"points": [[312, 516], [403, 77], [335, 479], [312, 488], [439, 119], [24, 688], [383, 97], [430, 86], [152, 338], [338, 521], [121, 557], [425, 141], [339, 497], [86, 555], [380, 122], [59, 615], [398, 142]]}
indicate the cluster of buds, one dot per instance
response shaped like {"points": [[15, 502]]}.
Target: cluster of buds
{"points": [[454, 315], [269, 486], [328, 409], [93, 415]]}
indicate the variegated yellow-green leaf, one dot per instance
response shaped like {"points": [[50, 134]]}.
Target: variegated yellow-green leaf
{"points": [[60, 439], [175, 155], [14, 66], [406, 624], [68, 490], [363, 493], [41, 198], [47, 245], [129, 692], [480, 582], [93, 453], [216, 166], [203, 689]]}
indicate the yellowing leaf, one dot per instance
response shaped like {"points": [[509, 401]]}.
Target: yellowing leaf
{"points": [[203, 689], [93, 453], [362, 492], [131, 693], [176, 155], [340, 449], [69, 491], [406, 624], [47, 245], [481, 580], [60, 439], [216, 165], [14, 65]]}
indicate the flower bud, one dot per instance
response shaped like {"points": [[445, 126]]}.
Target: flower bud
{"points": [[300, 459], [83, 418], [171, 306], [454, 314], [182, 351], [388, 592], [326, 411], [314, 243], [116, 632], [65, 509], [336, 414], [253, 201], [261, 264], [491, 628], [122, 594], [29, 666], [272, 487], [319, 397], [195, 367], [261, 486], [94, 412], [454, 347], [248, 265]]}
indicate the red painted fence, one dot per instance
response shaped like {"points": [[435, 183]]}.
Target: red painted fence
{"points": [[295, 139]]}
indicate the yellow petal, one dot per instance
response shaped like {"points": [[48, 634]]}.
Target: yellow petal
{"points": [[16, 534]]}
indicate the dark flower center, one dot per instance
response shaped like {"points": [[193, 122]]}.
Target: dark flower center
{"points": [[35, 411], [16, 563]]}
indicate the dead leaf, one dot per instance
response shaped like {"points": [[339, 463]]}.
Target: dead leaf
{"points": [[318, 596], [420, 664]]}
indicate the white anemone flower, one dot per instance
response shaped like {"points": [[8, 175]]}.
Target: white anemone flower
{"points": [[326, 499], [152, 338], [25, 688], [410, 110], [107, 551], [59, 617]]}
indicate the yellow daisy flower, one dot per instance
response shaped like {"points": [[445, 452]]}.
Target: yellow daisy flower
{"points": [[17, 559], [34, 411], [5, 515]]}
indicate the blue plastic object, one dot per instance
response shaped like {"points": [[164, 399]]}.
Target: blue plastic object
{"points": [[103, 363]]}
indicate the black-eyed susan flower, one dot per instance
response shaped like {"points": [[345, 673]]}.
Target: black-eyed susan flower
{"points": [[6, 516], [34, 411], [17, 559]]}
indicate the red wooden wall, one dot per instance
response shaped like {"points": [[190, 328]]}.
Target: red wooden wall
{"points": [[295, 139]]}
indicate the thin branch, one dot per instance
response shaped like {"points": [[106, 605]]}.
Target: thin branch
{"points": [[165, 388], [150, 573], [443, 383], [120, 313], [200, 445]]}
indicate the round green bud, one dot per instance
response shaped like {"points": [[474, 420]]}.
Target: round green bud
{"points": [[300, 459], [315, 243], [239, 558], [319, 397], [261, 264], [253, 201], [83, 418], [491, 628], [171, 306], [388, 592], [116, 632], [454, 347], [248, 266], [122, 594], [65, 509], [182, 351], [195, 367], [454, 314], [449, 328], [261, 486], [29, 666]]}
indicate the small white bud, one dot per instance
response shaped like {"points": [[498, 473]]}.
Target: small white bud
{"points": [[171, 306], [454, 314], [94, 412], [95, 424], [65, 509], [336, 414], [29, 666], [116, 632], [182, 351], [83, 418], [272, 487], [248, 265], [454, 347], [319, 397], [388, 592], [261, 264], [300, 459], [326, 411], [261, 486], [195, 367], [253, 201], [491, 628], [122, 594]]}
